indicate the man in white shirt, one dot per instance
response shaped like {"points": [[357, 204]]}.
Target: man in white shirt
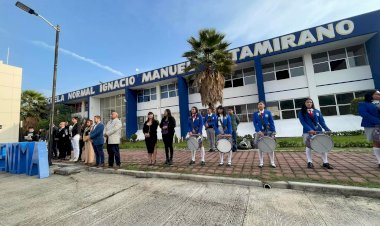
{"points": [[112, 133]]}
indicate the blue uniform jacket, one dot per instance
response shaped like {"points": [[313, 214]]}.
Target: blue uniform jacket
{"points": [[369, 113], [96, 135], [213, 121], [267, 119], [308, 123], [227, 125], [197, 124]]}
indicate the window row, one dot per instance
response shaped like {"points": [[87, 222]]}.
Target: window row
{"points": [[339, 59], [283, 69], [147, 95], [338, 104]]}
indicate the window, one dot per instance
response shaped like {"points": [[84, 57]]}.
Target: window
{"points": [[274, 108], [146, 95], [283, 69], [113, 103], [240, 77], [169, 90], [285, 109], [193, 89], [244, 111], [339, 59], [337, 104], [140, 122]]}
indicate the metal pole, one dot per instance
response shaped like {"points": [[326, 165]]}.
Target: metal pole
{"points": [[51, 138]]}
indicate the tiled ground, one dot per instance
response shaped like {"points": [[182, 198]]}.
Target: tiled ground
{"points": [[350, 167]]}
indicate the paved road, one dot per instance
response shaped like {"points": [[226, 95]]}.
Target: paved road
{"points": [[102, 199]]}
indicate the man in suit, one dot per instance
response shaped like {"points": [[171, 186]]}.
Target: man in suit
{"points": [[97, 138], [112, 133]]}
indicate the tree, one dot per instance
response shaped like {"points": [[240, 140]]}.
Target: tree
{"points": [[33, 108], [211, 61]]}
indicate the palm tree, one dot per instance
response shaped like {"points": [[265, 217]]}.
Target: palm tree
{"points": [[211, 61], [33, 107]]}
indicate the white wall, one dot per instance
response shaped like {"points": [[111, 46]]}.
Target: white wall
{"points": [[10, 100]]}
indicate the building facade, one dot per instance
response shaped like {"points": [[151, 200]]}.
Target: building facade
{"points": [[331, 63], [10, 101]]}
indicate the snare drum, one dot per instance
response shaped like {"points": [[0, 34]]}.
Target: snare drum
{"points": [[193, 143], [320, 143], [376, 135], [266, 144], [224, 145]]}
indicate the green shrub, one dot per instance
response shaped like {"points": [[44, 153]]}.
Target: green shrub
{"points": [[355, 104]]}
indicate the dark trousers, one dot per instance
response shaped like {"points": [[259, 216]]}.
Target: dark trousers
{"points": [[81, 145], [99, 154], [54, 150], [113, 154], [168, 141], [234, 141]]}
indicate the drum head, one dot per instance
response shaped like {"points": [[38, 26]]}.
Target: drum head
{"points": [[266, 144], [224, 145], [376, 135], [192, 144], [321, 143]]}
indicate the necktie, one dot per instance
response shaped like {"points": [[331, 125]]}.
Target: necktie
{"points": [[311, 114]]}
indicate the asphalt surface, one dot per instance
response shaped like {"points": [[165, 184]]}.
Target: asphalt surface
{"points": [[89, 198]]}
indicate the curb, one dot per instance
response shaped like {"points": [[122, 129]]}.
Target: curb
{"points": [[299, 186]]}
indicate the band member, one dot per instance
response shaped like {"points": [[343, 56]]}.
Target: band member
{"points": [[312, 122], [235, 121], [195, 126], [264, 126], [75, 136], [369, 111], [210, 123], [150, 133], [224, 128], [167, 126]]}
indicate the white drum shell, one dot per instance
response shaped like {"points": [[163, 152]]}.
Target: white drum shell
{"points": [[321, 143], [193, 143], [224, 145], [266, 144]]}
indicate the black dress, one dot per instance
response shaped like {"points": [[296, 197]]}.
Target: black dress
{"points": [[167, 136], [152, 139], [63, 142]]}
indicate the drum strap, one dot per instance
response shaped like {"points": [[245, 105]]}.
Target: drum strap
{"points": [[265, 128], [193, 125], [221, 123]]}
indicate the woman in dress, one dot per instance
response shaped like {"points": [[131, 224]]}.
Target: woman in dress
{"points": [[88, 152], [150, 133], [167, 126]]}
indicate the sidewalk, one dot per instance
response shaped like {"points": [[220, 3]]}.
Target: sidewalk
{"points": [[350, 168]]}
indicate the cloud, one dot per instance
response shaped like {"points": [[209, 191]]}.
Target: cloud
{"points": [[261, 20], [79, 57]]}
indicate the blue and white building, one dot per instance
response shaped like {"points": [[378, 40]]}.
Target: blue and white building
{"points": [[332, 63]]}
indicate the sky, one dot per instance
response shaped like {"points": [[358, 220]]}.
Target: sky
{"points": [[106, 40]]}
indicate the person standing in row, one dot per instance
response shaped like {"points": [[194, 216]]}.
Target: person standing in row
{"points": [[264, 126], [235, 121], [369, 111], [224, 128], [112, 133], [75, 136], [167, 126], [210, 123], [195, 126], [150, 133], [63, 141], [88, 153], [312, 122], [81, 142], [96, 135]]}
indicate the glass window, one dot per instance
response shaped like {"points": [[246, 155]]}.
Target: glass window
{"points": [[329, 111], [355, 50], [164, 95], [238, 74], [171, 87], [357, 61], [273, 107], [297, 71], [249, 71], [281, 65], [360, 94], [172, 93], [238, 82], [269, 77], [146, 92], [319, 57], [286, 104], [239, 109], [296, 62], [337, 54], [164, 88], [282, 74], [251, 108], [322, 67], [249, 80], [227, 84], [326, 100], [299, 102], [153, 97], [267, 67], [345, 109], [338, 65], [344, 98], [288, 114]]}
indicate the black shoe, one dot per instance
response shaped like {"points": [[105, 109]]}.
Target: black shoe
{"points": [[310, 165], [191, 162], [170, 162], [327, 166], [379, 165], [221, 164], [203, 163], [166, 162]]}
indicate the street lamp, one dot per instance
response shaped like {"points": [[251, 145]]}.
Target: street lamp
{"points": [[57, 30]]}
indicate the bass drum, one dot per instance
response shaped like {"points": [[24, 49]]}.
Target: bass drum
{"points": [[193, 143], [266, 144], [321, 143], [224, 145]]}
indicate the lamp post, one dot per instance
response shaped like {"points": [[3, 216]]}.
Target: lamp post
{"points": [[57, 30]]}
